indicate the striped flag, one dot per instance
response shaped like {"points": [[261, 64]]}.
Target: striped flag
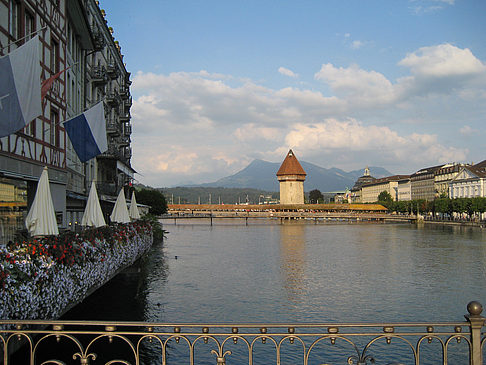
{"points": [[87, 132], [20, 89]]}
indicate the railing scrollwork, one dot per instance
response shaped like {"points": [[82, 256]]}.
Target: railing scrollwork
{"points": [[322, 344]]}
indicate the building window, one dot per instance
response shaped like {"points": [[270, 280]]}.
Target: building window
{"points": [[29, 26], [30, 129], [14, 21], [54, 56], [54, 130]]}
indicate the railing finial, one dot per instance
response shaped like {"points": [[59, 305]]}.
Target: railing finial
{"points": [[475, 308], [476, 322]]}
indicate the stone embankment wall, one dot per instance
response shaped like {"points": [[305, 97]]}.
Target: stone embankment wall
{"points": [[41, 278]]}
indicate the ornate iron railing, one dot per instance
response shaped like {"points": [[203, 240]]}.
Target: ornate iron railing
{"points": [[61, 342]]}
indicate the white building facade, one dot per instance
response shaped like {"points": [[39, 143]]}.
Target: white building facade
{"points": [[469, 183]]}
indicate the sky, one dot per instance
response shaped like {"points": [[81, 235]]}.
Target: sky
{"points": [[399, 84]]}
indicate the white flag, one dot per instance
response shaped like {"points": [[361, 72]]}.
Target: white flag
{"points": [[20, 87]]}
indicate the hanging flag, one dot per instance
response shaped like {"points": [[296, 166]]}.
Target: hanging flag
{"points": [[20, 92], [47, 83], [87, 132]]}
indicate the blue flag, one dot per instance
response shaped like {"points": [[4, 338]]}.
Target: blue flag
{"points": [[87, 132], [20, 97]]}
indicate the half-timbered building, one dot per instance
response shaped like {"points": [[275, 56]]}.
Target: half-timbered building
{"points": [[79, 48]]}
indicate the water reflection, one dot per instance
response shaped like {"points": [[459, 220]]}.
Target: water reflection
{"points": [[292, 260]]}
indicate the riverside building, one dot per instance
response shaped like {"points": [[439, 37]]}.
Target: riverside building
{"points": [[423, 183], [444, 176], [358, 185], [404, 189], [370, 191], [78, 47], [470, 182]]}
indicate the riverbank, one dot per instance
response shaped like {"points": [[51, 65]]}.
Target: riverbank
{"points": [[481, 225], [43, 278]]}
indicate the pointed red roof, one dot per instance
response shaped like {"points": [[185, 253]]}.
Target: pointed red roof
{"points": [[290, 166]]}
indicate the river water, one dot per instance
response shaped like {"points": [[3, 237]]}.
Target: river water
{"points": [[299, 272]]}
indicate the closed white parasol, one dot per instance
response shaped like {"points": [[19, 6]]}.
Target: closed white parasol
{"points": [[93, 216], [120, 210], [134, 213], [41, 220]]}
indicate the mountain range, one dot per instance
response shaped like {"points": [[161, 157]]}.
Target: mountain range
{"points": [[261, 175]]}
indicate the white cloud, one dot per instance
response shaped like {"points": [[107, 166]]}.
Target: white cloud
{"points": [[468, 131], [429, 6], [200, 126], [287, 72], [357, 84], [434, 70], [353, 136], [251, 132], [444, 60], [357, 44]]}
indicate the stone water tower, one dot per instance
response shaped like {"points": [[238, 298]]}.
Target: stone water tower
{"points": [[291, 176]]}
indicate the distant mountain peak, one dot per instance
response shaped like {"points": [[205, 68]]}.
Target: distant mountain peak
{"points": [[260, 174]]}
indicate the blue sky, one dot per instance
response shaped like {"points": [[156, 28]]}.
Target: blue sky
{"points": [[393, 83]]}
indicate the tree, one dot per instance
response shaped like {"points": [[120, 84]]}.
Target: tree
{"points": [[459, 205], [401, 207], [443, 206], [154, 199], [315, 196], [385, 199], [385, 196]]}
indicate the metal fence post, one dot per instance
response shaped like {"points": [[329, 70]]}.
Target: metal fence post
{"points": [[477, 322]]}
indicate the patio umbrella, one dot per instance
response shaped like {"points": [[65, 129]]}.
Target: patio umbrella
{"points": [[41, 220], [120, 210], [93, 216], [134, 213]]}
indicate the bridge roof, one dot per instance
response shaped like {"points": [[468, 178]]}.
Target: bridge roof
{"points": [[280, 207], [290, 166]]}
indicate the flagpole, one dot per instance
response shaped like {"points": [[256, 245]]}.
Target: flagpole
{"points": [[62, 121], [47, 83], [20, 39]]}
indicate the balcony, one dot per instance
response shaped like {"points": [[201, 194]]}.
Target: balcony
{"points": [[124, 142], [458, 342], [113, 128], [106, 188], [98, 41], [127, 130], [112, 70], [124, 92], [125, 118], [127, 103], [112, 98], [98, 75], [112, 153], [127, 152]]}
